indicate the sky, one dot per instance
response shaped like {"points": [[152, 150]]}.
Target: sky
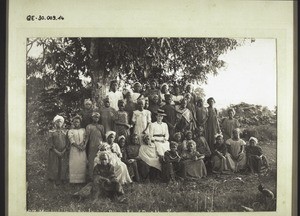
{"points": [[249, 76]]}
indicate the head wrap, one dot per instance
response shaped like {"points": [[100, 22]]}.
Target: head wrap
{"points": [[121, 137], [164, 84], [218, 135], [191, 142], [108, 133], [211, 98], [58, 117], [102, 154], [77, 117], [87, 101], [137, 83], [254, 139], [95, 114]]}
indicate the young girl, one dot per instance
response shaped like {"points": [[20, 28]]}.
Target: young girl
{"points": [[107, 115], [136, 95], [229, 124], [170, 119], [105, 181], [141, 119], [201, 144], [164, 90], [170, 165], [78, 159], [153, 107], [114, 95], [255, 156], [178, 139], [188, 137], [212, 123], [58, 146], [236, 147], [94, 138], [121, 121], [115, 156], [177, 97], [221, 161], [201, 114], [192, 162]]}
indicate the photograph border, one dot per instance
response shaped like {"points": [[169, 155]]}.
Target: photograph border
{"points": [[268, 25]]}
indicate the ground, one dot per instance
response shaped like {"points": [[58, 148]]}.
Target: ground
{"points": [[216, 193]]}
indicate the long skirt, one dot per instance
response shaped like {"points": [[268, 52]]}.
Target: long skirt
{"points": [[77, 165], [193, 169], [57, 166], [237, 164], [255, 164], [162, 147], [222, 164], [122, 174]]}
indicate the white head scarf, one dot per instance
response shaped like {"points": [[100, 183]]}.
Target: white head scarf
{"points": [[57, 117]]}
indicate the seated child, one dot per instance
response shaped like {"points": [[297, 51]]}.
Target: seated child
{"points": [[201, 144], [130, 155], [255, 156], [192, 162], [188, 137], [178, 139], [170, 164], [105, 181]]}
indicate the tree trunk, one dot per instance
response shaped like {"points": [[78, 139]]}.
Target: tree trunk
{"points": [[100, 81]]}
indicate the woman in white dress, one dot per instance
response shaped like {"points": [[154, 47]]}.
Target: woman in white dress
{"points": [[159, 133], [78, 159], [115, 156]]}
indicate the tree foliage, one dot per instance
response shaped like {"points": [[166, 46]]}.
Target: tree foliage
{"points": [[70, 69]]}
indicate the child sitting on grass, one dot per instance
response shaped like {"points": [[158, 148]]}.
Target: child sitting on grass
{"points": [[255, 156], [105, 181], [170, 164]]}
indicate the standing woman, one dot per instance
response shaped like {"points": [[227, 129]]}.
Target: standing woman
{"points": [[86, 113], [159, 133], [78, 159], [58, 146], [236, 148], [107, 115], [121, 121], [94, 138], [229, 124], [212, 123], [184, 118]]}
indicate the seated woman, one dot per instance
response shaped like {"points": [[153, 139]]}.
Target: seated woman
{"points": [[115, 156], [159, 133], [188, 137], [256, 159], [149, 165], [221, 161], [192, 162], [236, 148], [105, 181]]}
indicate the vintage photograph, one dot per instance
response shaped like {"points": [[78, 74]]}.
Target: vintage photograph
{"points": [[151, 124]]}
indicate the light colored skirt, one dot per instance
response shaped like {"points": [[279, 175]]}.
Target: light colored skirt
{"points": [[162, 147], [77, 165]]}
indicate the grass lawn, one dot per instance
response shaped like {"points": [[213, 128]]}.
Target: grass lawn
{"points": [[218, 193]]}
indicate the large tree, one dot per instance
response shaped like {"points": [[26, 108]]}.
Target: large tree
{"points": [[65, 62]]}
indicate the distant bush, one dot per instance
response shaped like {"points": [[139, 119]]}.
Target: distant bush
{"points": [[255, 120]]}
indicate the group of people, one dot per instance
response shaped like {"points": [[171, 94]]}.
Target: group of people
{"points": [[148, 135]]}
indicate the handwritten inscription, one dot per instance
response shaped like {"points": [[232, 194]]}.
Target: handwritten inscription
{"points": [[42, 18]]}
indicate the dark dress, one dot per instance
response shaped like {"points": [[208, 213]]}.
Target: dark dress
{"points": [[170, 119], [58, 165], [121, 117], [94, 136], [132, 152], [107, 117], [87, 116], [170, 166], [192, 168], [110, 188], [255, 158], [212, 127]]}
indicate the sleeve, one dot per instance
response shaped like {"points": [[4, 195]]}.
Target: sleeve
{"points": [[87, 133], [227, 142], [148, 116], [151, 132], [259, 151], [243, 143], [166, 131], [111, 174], [118, 150], [134, 117], [50, 140], [71, 136]]}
